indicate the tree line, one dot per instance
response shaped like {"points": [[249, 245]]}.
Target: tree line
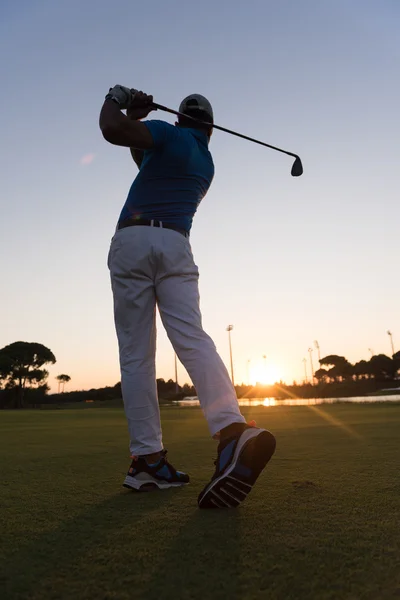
{"points": [[336, 368], [23, 379]]}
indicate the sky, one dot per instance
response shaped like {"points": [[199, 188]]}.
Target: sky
{"points": [[285, 260]]}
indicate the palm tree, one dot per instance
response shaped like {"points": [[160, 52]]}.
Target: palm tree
{"points": [[62, 379]]}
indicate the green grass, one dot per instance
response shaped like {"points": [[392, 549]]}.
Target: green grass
{"points": [[323, 521]]}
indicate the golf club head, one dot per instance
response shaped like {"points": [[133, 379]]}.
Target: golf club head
{"points": [[297, 168]]}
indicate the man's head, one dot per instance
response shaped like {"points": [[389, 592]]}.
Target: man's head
{"points": [[198, 107]]}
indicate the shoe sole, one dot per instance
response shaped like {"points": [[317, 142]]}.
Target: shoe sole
{"points": [[149, 486], [253, 451]]}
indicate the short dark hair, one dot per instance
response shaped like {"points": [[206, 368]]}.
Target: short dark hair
{"points": [[197, 114]]}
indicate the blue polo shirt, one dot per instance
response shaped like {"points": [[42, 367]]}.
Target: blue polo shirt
{"points": [[173, 178]]}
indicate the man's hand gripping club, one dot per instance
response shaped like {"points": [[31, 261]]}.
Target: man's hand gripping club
{"points": [[120, 130]]}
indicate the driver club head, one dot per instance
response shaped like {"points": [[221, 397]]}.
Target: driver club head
{"points": [[297, 168]]}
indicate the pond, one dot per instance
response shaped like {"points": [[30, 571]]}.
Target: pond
{"points": [[267, 402]]}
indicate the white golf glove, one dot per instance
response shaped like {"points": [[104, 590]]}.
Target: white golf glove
{"points": [[122, 95]]}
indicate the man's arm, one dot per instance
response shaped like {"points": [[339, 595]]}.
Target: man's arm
{"points": [[121, 131], [116, 127]]}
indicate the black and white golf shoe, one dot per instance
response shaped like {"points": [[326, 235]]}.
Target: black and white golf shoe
{"points": [[241, 458], [144, 477]]}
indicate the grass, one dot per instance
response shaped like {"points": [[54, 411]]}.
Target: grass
{"points": [[322, 522]]}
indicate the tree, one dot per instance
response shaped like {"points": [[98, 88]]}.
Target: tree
{"points": [[62, 379], [362, 370], [396, 361], [21, 367], [165, 389], [340, 367], [382, 367], [188, 390], [118, 389], [321, 375]]}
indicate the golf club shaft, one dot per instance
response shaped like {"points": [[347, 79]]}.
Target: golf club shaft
{"points": [[245, 137]]}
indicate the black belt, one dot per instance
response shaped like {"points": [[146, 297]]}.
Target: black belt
{"points": [[151, 223]]}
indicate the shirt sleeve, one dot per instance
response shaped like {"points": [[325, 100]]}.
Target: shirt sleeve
{"points": [[161, 132]]}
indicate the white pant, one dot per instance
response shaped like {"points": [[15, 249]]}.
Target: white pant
{"points": [[150, 266]]}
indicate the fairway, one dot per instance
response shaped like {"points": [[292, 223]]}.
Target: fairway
{"points": [[321, 523]]}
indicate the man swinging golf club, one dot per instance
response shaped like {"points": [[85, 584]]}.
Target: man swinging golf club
{"points": [[151, 264]]}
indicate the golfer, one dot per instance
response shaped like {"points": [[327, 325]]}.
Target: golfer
{"points": [[151, 264]]}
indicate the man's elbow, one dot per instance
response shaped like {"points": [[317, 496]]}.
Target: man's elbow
{"points": [[131, 135], [110, 132]]}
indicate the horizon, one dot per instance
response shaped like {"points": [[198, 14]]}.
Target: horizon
{"points": [[360, 370]]}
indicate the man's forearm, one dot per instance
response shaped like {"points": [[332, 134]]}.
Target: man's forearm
{"points": [[112, 121], [135, 114]]}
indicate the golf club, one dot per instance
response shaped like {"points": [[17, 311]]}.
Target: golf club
{"points": [[297, 168]]}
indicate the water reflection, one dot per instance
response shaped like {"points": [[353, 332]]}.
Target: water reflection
{"points": [[194, 401]]}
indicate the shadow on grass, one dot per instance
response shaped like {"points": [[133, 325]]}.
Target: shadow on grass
{"points": [[78, 543], [154, 545], [203, 559]]}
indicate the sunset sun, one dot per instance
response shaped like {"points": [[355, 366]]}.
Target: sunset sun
{"points": [[265, 374]]}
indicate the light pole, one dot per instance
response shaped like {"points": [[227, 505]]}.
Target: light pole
{"points": [[265, 365], [229, 329], [319, 352], [176, 374], [310, 350], [248, 370], [372, 352], [304, 361], [391, 340]]}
